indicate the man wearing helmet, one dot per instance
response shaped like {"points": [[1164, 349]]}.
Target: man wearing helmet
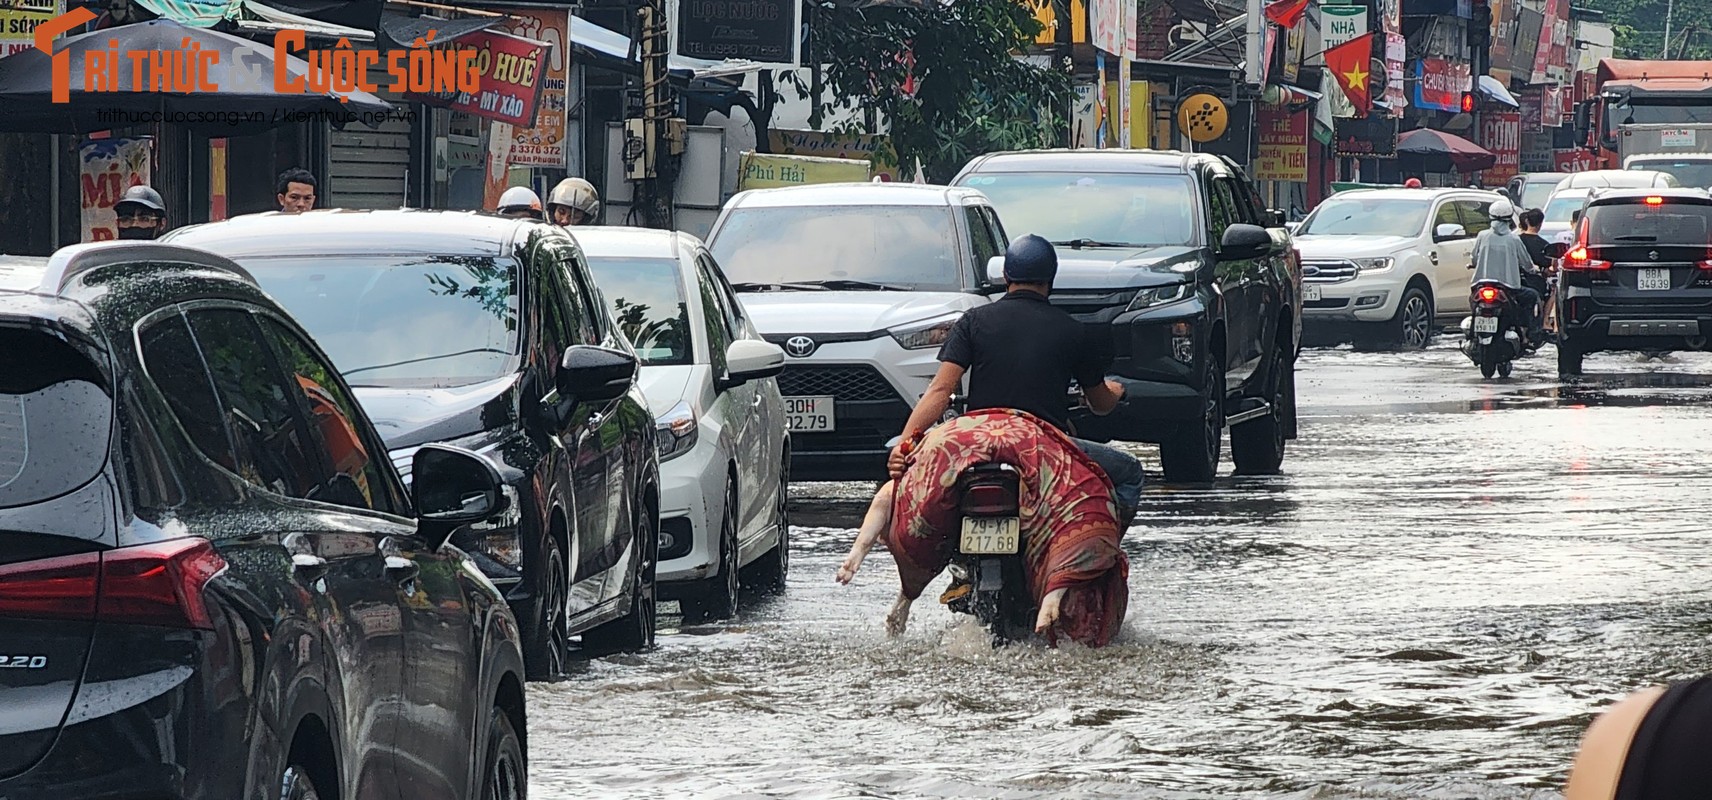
{"points": [[519, 201], [573, 202], [1500, 255], [140, 213]]}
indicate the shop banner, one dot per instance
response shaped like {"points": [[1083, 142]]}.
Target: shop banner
{"points": [[876, 149], [1396, 53], [1439, 84], [1340, 25], [1108, 18], [510, 82], [107, 168], [497, 174], [18, 24], [1367, 137], [1501, 133], [1531, 99], [1537, 152], [1573, 159], [1554, 42], [1525, 52], [768, 171], [1554, 111], [768, 32], [1391, 16], [1283, 138], [1295, 45], [1503, 31], [544, 144]]}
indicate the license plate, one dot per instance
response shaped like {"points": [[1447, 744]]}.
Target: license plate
{"points": [[1652, 280], [991, 535], [1485, 324], [1310, 293], [810, 414]]}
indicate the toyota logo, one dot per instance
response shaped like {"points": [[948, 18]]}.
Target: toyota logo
{"points": [[800, 346]]}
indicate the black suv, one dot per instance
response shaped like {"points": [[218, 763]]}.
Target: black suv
{"points": [[487, 332], [212, 582], [1197, 280], [1639, 276]]}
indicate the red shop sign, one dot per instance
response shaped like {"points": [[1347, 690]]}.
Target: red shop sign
{"points": [[1501, 133], [1440, 83], [1572, 159], [510, 67]]}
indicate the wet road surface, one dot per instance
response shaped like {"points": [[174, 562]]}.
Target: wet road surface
{"points": [[1452, 575]]}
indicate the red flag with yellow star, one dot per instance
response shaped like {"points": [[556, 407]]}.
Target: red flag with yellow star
{"points": [[1350, 63]]}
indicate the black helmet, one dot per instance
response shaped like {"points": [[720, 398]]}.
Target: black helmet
{"points": [[1031, 259], [143, 196]]}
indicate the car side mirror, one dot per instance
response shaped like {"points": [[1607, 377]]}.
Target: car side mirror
{"points": [[1449, 230], [748, 360], [595, 374], [1556, 250], [996, 272], [1243, 242], [452, 487]]}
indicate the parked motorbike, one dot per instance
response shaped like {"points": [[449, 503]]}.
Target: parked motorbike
{"points": [[1496, 333]]}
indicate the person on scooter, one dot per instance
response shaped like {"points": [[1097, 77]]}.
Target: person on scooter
{"points": [[1021, 352], [1502, 257]]}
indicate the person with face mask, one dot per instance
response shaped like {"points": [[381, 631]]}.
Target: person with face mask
{"points": [[141, 213], [573, 202]]}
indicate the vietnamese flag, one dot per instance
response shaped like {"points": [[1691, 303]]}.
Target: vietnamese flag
{"points": [[1287, 13], [1351, 63]]}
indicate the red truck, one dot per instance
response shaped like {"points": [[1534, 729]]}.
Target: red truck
{"points": [[1646, 107]]}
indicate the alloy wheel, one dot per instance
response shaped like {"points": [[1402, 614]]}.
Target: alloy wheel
{"points": [[1417, 321], [553, 613]]}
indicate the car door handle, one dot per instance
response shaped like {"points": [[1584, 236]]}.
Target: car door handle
{"points": [[1434, 257]]}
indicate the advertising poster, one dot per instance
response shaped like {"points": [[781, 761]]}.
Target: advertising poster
{"points": [[107, 167], [769, 171], [498, 157], [1554, 41], [1108, 21], [1283, 140], [1503, 31], [1525, 51], [543, 145], [1440, 83], [509, 88], [1531, 99], [1501, 133], [1396, 52], [764, 31], [18, 24]]}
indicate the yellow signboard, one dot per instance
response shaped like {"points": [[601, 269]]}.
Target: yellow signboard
{"points": [[1049, 21], [767, 171], [1140, 111], [876, 149], [18, 21]]}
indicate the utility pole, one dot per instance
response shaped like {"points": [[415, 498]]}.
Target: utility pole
{"points": [[1254, 72], [1669, 9], [657, 138]]}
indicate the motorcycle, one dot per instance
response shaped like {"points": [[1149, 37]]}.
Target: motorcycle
{"points": [[989, 555], [1496, 333]]}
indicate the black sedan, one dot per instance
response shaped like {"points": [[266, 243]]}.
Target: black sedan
{"points": [[213, 585], [487, 332]]}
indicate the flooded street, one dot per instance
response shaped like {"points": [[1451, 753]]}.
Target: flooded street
{"points": [[1451, 575]]}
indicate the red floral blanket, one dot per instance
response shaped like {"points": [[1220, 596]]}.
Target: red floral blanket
{"points": [[1069, 521]]}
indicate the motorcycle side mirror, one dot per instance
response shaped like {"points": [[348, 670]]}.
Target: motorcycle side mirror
{"points": [[1556, 250]]}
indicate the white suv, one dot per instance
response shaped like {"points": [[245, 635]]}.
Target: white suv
{"points": [[1388, 267], [859, 283]]}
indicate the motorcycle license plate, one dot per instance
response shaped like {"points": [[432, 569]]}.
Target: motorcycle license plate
{"points": [[1653, 280], [991, 535], [1485, 324]]}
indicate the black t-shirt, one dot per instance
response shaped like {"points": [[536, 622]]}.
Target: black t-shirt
{"points": [[1536, 249], [1021, 352]]}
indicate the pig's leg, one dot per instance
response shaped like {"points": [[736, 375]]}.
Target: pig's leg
{"points": [[875, 523], [898, 618], [1049, 611]]}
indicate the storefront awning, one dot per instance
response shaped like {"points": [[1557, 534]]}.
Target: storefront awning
{"points": [[617, 47], [1492, 88], [400, 31], [257, 17]]}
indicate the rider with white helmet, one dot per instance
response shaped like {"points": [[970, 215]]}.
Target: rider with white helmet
{"points": [[573, 202], [1501, 256], [519, 201]]}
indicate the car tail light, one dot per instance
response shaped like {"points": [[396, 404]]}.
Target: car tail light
{"points": [[1490, 294], [152, 584], [990, 499], [1579, 258], [1706, 262]]}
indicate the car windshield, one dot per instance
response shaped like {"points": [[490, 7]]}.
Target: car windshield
{"points": [[1564, 206], [55, 417], [1367, 216], [403, 321], [841, 247], [1640, 223], [1696, 173], [648, 304], [1099, 208], [1655, 114], [1537, 193]]}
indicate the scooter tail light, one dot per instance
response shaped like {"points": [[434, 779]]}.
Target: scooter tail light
{"points": [[1490, 294], [990, 499]]}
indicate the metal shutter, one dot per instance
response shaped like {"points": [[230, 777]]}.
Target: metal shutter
{"points": [[369, 165]]}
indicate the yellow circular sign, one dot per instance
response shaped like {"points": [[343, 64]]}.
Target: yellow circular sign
{"points": [[1203, 117]]}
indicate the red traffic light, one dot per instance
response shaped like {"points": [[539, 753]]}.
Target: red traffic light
{"points": [[1468, 102]]}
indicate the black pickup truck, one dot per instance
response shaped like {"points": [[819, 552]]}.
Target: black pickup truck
{"points": [[1198, 281]]}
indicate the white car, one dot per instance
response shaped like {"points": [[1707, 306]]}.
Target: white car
{"points": [[710, 382], [1389, 267], [1572, 192], [860, 283]]}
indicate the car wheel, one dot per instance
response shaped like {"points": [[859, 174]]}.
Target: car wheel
{"points": [[1192, 454], [767, 575], [716, 597], [1412, 328], [297, 785], [1257, 446], [505, 776], [546, 645], [1568, 358], [634, 632]]}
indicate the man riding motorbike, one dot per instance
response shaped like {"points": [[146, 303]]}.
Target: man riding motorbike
{"points": [[519, 201], [573, 202], [1502, 257]]}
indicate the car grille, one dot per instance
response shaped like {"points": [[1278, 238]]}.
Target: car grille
{"points": [[1329, 302], [1087, 306], [1328, 270], [853, 382]]}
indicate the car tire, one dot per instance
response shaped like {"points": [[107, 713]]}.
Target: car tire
{"points": [[1568, 358], [1412, 327], [767, 575], [1191, 455], [634, 632], [716, 598], [1257, 446], [297, 785], [505, 771], [546, 642]]}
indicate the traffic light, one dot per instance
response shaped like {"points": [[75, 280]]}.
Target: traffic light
{"points": [[1468, 102], [1480, 24]]}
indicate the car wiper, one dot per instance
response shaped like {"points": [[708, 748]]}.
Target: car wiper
{"points": [[407, 361], [1079, 244], [845, 283], [1635, 237], [773, 287]]}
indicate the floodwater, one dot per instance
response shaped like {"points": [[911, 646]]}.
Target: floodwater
{"points": [[1453, 575]]}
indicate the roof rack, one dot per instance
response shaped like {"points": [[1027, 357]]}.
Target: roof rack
{"points": [[70, 262]]}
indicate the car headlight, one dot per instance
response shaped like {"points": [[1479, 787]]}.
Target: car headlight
{"points": [[1371, 264], [925, 334], [675, 431], [1158, 296]]}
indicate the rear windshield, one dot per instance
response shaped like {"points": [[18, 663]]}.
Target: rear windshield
{"points": [[55, 417], [1640, 223], [1536, 193], [1564, 206], [648, 304], [848, 247]]}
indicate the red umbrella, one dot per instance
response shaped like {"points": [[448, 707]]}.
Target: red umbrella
{"points": [[1439, 151]]}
